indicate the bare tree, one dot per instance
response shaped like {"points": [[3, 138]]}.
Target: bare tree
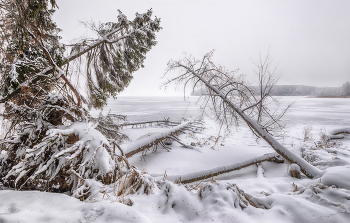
{"points": [[267, 79], [231, 99]]}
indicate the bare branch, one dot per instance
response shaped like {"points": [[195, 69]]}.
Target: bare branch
{"points": [[227, 105]]}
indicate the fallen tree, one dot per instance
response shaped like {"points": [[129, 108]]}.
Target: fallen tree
{"points": [[205, 174], [231, 98], [50, 139], [152, 140], [150, 123]]}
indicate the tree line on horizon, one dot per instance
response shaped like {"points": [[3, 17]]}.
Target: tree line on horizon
{"points": [[300, 90]]}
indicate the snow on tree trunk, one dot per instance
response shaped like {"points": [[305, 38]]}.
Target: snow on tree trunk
{"points": [[205, 174], [309, 170], [130, 149]]}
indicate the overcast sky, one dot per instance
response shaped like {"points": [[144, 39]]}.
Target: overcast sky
{"points": [[309, 40]]}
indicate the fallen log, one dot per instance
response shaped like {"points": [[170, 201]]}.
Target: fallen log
{"points": [[205, 174], [134, 147], [148, 122], [338, 133]]}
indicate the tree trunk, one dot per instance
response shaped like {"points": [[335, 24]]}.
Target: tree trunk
{"points": [[309, 170], [202, 175]]}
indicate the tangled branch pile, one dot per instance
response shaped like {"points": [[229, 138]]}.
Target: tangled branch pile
{"points": [[232, 100], [50, 138]]}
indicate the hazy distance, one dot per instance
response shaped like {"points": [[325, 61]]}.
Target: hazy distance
{"points": [[308, 40]]}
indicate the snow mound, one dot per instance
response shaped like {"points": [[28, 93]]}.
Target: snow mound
{"points": [[34, 206], [340, 131], [221, 195], [338, 176]]}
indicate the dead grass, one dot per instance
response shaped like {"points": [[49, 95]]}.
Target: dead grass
{"points": [[307, 132]]}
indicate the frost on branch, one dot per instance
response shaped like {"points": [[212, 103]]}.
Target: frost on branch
{"points": [[231, 100], [68, 156], [49, 142], [109, 126], [119, 51], [131, 148]]}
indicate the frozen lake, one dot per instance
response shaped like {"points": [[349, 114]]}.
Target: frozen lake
{"points": [[318, 111], [153, 108], [305, 111], [321, 114], [268, 178]]}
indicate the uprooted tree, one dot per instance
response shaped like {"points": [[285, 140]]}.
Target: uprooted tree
{"points": [[49, 142], [232, 99]]}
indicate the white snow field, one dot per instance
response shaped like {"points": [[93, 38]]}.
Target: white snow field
{"points": [[278, 197]]}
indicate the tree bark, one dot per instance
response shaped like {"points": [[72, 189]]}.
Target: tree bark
{"points": [[202, 175]]}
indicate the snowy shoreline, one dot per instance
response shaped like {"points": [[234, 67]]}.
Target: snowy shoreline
{"points": [[287, 198]]}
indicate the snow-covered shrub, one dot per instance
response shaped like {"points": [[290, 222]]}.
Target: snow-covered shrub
{"points": [[78, 147], [130, 181], [175, 198], [294, 171], [28, 129], [219, 195], [307, 132]]}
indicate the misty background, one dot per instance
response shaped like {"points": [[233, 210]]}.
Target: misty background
{"points": [[307, 40]]}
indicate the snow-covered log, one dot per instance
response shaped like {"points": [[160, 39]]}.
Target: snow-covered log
{"points": [[131, 148], [205, 174], [164, 122], [339, 133]]}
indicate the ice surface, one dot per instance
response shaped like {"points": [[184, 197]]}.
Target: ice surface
{"points": [[153, 108]]}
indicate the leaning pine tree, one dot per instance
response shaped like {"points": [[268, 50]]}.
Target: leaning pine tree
{"points": [[49, 143]]}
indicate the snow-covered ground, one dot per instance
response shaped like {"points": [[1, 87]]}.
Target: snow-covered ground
{"points": [[281, 197]]}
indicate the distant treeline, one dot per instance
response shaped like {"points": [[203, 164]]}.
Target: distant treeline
{"points": [[302, 90]]}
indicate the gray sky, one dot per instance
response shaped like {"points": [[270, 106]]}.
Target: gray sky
{"points": [[309, 40]]}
